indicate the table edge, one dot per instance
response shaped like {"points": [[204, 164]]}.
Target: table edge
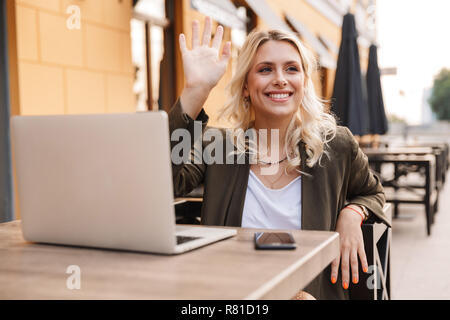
{"points": [[284, 275]]}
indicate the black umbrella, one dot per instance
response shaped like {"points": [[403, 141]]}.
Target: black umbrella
{"points": [[378, 120], [347, 101]]}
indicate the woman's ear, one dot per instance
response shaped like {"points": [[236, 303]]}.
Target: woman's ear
{"points": [[245, 90]]}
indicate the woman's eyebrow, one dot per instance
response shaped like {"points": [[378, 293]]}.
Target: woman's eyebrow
{"points": [[292, 62], [264, 62], [272, 63]]}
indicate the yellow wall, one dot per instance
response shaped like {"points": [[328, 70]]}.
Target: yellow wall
{"points": [[68, 71]]}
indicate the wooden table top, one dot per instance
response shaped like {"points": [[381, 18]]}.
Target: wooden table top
{"points": [[229, 269], [398, 150], [402, 158]]}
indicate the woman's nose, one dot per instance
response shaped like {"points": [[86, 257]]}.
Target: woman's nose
{"points": [[280, 79]]}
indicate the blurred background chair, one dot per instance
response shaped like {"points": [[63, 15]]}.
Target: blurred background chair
{"points": [[188, 209]]}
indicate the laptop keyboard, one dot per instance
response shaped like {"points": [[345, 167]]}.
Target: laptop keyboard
{"points": [[183, 239]]}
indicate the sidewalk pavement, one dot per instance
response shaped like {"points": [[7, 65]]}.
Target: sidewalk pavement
{"points": [[420, 264]]}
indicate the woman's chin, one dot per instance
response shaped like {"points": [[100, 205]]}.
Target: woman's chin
{"points": [[278, 111]]}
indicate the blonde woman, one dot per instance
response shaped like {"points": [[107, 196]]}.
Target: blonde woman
{"points": [[311, 173]]}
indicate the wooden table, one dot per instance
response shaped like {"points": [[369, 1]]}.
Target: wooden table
{"points": [[398, 150], [229, 269], [438, 152], [441, 150]]}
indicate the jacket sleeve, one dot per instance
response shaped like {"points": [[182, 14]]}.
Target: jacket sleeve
{"points": [[364, 187], [189, 173]]}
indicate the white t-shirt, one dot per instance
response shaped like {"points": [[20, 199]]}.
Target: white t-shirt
{"points": [[272, 208]]}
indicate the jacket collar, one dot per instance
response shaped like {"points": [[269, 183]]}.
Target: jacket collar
{"points": [[309, 215]]}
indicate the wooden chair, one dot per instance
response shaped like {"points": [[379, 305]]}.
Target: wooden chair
{"points": [[376, 284]]}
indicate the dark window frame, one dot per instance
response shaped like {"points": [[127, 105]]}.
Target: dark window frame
{"points": [[6, 201]]}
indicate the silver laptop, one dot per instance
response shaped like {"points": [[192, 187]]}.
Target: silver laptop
{"points": [[101, 181]]}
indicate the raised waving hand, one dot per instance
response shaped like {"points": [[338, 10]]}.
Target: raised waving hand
{"points": [[203, 65]]}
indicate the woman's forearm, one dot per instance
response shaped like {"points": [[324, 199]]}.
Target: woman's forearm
{"points": [[193, 99]]}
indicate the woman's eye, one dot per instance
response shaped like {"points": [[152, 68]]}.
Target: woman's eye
{"points": [[265, 69], [269, 69]]}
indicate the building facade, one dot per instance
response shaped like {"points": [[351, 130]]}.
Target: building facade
{"points": [[71, 56]]}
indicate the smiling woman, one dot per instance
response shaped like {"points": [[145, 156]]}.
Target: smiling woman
{"points": [[309, 173]]}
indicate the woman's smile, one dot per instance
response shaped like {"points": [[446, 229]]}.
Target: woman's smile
{"points": [[279, 96]]}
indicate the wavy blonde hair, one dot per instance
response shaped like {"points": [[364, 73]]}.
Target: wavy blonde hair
{"points": [[310, 123]]}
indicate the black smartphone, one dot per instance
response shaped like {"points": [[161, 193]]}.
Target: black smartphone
{"points": [[274, 240]]}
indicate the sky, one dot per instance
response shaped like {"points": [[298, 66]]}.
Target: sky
{"points": [[413, 37]]}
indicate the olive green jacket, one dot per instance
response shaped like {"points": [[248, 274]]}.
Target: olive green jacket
{"points": [[342, 178]]}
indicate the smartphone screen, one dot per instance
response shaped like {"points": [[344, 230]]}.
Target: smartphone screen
{"points": [[274, 240]]}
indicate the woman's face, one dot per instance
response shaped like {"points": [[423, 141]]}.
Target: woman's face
{"points": [[275, 80]]}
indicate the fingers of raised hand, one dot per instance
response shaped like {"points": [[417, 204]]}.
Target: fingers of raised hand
{"points": [[226, 52], [182, 40], [207, 32], [206, 37], [195, 34], [217, 40]]}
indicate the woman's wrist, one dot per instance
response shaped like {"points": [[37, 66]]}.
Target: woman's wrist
{"points": [[356, 211], [192, 100]]}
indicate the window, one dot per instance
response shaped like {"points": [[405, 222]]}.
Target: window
{"points": [[147, 36]]}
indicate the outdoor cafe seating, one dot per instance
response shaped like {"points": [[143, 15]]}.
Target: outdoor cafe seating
{"points": [[429, 160]]}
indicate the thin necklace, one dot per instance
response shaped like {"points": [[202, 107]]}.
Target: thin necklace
{"points": [[272, 183], [272, 163]]}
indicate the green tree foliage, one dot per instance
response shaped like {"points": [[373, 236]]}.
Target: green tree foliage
{"points": [[440, 97]]}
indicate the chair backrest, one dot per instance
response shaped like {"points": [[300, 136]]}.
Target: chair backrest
{"points": [[375, 285]]}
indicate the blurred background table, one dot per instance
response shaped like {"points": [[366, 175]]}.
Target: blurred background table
{"points": [[397, 191]]}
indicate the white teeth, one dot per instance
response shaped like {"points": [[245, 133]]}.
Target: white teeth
{"points": [[279, 96]]}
